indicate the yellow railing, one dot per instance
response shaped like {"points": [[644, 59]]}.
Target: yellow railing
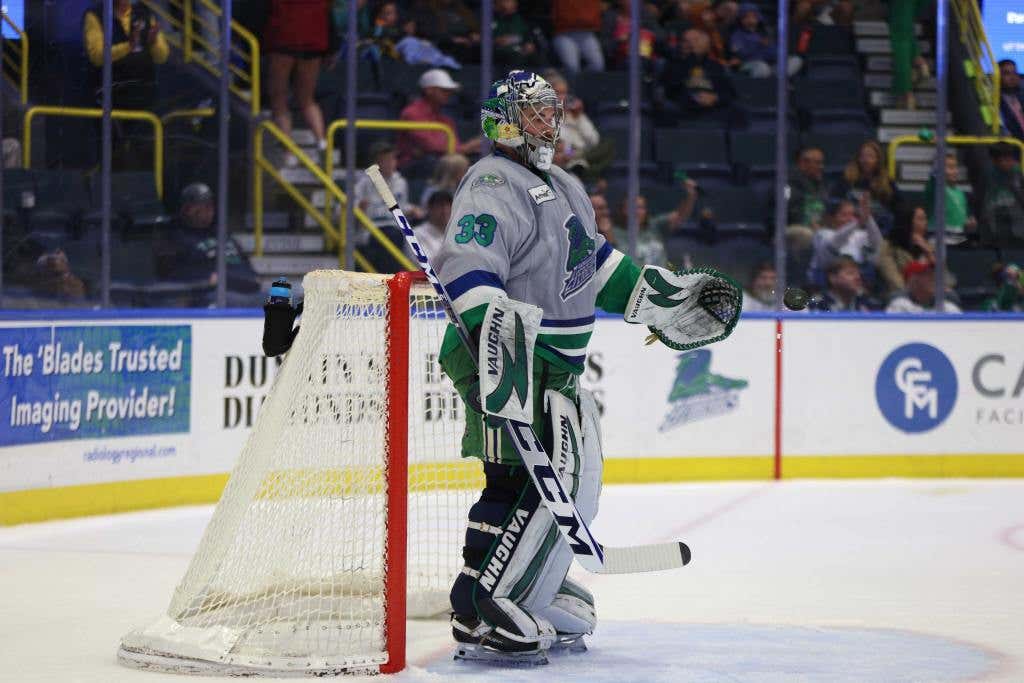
{"points": [[199, 42], [15, 56], [334, 233], [381, 124], [121, 114], [981, 67], [955, 140], [201, 113]]}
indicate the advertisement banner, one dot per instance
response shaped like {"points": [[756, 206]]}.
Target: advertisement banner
{"points": [[713, 401], [928, 387], [87, 382]]}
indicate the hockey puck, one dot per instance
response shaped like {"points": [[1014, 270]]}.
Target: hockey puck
{"points": [[795, 299]]}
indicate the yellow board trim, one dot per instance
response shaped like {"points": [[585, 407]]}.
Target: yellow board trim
{"points": [[37, 505]]}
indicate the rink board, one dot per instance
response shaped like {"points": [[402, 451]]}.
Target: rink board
{"points": [[860, 397]]}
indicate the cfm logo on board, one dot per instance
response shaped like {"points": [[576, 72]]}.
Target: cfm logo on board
{"points": [[698, 393], [916, 388]]}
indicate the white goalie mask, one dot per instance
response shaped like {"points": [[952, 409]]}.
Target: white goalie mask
{"points": [[523, 111]]}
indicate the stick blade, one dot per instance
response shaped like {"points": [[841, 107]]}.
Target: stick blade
{"points": [[645, 558]]}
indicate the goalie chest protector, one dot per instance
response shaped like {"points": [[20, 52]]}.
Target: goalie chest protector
{"points": [[510, 229]]}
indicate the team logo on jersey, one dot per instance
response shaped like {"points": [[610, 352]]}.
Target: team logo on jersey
{"points": [[581, 263], [542, 193], [698, 393]]}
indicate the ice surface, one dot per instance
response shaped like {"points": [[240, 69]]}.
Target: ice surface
{"points": [[793, 581]]}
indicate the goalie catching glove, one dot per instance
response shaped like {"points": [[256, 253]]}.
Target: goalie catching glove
{"points": [[685, 309]]}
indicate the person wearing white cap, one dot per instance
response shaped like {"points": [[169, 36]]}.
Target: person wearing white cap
{"points": [[436, 88]]}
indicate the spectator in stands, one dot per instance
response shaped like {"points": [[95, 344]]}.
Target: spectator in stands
{"points": [[583, 144], [54, 279], [696, 87], [1003, 211], [603, 216], [297, 37], [867, 173], [651, 232], [919, 296], [385, 33], [430, 232], [829, 12], [615, 31], [187, 251], [808, 198], [727, 13], [853, 232], [704, 18], [907, 63], [959, 222], [752, 47], [575, 24], [448, 173], [137, 47], [11, 151], [415, 50], [845, 291], [1009, 298], [907, 242], [1011, 100], [369, 201], [515, 45], [449, 25], [427, 146], [760, 293]]}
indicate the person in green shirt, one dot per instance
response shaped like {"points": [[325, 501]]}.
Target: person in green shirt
{"points": [[1010, 297], [1003, 212], [959, 222], [651, 233], [513, 38]]}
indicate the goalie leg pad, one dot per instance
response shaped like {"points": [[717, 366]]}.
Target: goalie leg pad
{"points": [[577, 454], [507, 530]]}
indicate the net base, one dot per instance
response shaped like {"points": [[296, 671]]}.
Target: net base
{"points": [[166, 645]]}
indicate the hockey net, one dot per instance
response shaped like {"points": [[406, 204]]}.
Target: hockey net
{"points": [[346, 509]]}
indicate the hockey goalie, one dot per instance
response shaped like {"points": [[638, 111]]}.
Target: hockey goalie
{"points": [[525, 269]]}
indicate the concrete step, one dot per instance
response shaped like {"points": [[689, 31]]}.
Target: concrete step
{"points": [[876, 29], [920, 172], [887, 133], [878, 81], [917, 117], [277, 243], [303, 177], [883, 64], [884, 98], [272, 220], [882, 46], [291, 265], [912, 153]]}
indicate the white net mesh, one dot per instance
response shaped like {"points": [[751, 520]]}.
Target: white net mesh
{"points": [[290, 573]]}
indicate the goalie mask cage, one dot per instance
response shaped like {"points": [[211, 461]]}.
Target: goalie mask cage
{"points": [[346, 509]]}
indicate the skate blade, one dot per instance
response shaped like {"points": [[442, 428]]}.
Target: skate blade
{"points": [[478, 654], [572, 645]]}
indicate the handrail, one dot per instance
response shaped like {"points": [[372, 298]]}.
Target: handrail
{"points": [[338, 234], [382, 124], [974, 38], [22, 82], [89, 113], [964, 140], [189, 39], [201, 113]]}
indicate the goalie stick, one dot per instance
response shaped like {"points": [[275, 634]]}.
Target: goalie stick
{"points": [[591, 555]]}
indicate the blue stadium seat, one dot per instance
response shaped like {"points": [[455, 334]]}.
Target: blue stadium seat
{"points": [[753, 153], [832, 68], [701, 153], [973, 269]]}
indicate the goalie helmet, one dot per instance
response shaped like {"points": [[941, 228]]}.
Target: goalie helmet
{"points": [[523, 111]]}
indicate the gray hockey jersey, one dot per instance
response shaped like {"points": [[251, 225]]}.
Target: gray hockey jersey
{"points": [[510, 231]]}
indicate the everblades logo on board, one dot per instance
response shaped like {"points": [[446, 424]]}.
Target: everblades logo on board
{"points": [[698, 393], [916, 388], [581, 264]]}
